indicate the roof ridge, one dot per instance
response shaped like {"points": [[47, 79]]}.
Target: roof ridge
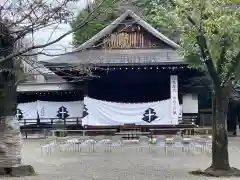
{"points": [[108, 29]]}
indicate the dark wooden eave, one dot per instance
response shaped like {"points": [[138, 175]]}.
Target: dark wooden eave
{"points": [[128, 57]]}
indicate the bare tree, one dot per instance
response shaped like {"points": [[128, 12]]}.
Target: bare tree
{"points": [[20, 19]]}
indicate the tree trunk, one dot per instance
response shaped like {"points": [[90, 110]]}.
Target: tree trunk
{"points": [[10, 142], [220, 159], [10, 138]]}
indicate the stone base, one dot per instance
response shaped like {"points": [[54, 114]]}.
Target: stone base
{"points": [[218, 173], [18, 171]]}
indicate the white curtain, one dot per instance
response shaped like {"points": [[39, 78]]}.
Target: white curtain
{"points": [[59, 110], [97, 112], [48, 110], [27, 111]]}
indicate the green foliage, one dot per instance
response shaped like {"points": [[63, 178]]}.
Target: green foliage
{"points": [[162, 17], [219, 24], [105, 14], [108, 12]]}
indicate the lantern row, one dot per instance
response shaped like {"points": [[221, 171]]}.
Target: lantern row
{"points": [[130, 68], [139, 68], [50, 93]]}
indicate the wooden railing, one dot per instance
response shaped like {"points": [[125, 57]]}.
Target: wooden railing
{"points": [[188, 119], [50, 121]]}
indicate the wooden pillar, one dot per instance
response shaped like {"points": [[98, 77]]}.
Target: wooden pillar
{"points": [[237, 124], [85, 88]]}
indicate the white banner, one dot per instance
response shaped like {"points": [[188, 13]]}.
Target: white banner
{"points": [[60, 110], [27, 111], [175, 110], [103, 113], [48, 110]]}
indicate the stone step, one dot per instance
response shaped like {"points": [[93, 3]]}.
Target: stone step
{"points": [[18, 171]]}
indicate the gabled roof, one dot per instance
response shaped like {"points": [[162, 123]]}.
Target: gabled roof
{"points": [[115, 57], [138, 20]]}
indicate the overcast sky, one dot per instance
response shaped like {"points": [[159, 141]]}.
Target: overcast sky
{"points": [[51, 33]]}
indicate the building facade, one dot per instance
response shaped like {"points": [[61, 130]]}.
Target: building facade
{"points": [[136, 67]]}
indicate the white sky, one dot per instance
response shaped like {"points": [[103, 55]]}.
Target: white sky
{"points": [[49, 34]]}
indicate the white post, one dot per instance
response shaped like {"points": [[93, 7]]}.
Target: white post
{"points": [[237, 128], [174, 99]]}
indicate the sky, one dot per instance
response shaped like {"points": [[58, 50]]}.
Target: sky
{"points": [[51, 33]]}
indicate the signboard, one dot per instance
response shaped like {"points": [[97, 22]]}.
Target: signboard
{"points": [[174, 98]]}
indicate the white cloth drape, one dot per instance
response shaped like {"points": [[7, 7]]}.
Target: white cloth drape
{"points": [[27, 111], [48, 110], [57, 110], [97, 112]]}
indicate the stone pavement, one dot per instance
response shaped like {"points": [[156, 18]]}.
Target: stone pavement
{"points": [[128, 165]]}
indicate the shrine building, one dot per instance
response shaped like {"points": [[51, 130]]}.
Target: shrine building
{"points": [[139, 77]]}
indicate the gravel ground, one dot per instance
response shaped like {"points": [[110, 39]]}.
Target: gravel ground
{"points": [[127, 165]]}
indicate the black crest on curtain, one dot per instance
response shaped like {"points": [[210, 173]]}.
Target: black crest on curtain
{"points": [[149, 115], [62, 113], [85, 111], [19, 114]]}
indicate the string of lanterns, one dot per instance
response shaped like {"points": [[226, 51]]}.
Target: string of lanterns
{"points": [[121, 68], [55, 92], [119, 102], [131, 68], [146, 68], [173, 68]]}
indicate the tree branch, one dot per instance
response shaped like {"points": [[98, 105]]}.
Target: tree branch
{"points": [[208, 59], [232, 69], [79, 50], [222, 58], [201, 41], [85, 22]]}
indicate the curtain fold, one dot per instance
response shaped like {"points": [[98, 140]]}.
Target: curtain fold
{"points": [[28, 112], [47, 110], [60, 110], [103, 113]]}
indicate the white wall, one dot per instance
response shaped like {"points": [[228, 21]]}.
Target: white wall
{"points": [[190, 103]]}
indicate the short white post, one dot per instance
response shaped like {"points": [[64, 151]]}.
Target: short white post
{"points": [[237, 129]]}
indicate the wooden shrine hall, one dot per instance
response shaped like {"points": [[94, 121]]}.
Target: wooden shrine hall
{"points": [[139, 78]]}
